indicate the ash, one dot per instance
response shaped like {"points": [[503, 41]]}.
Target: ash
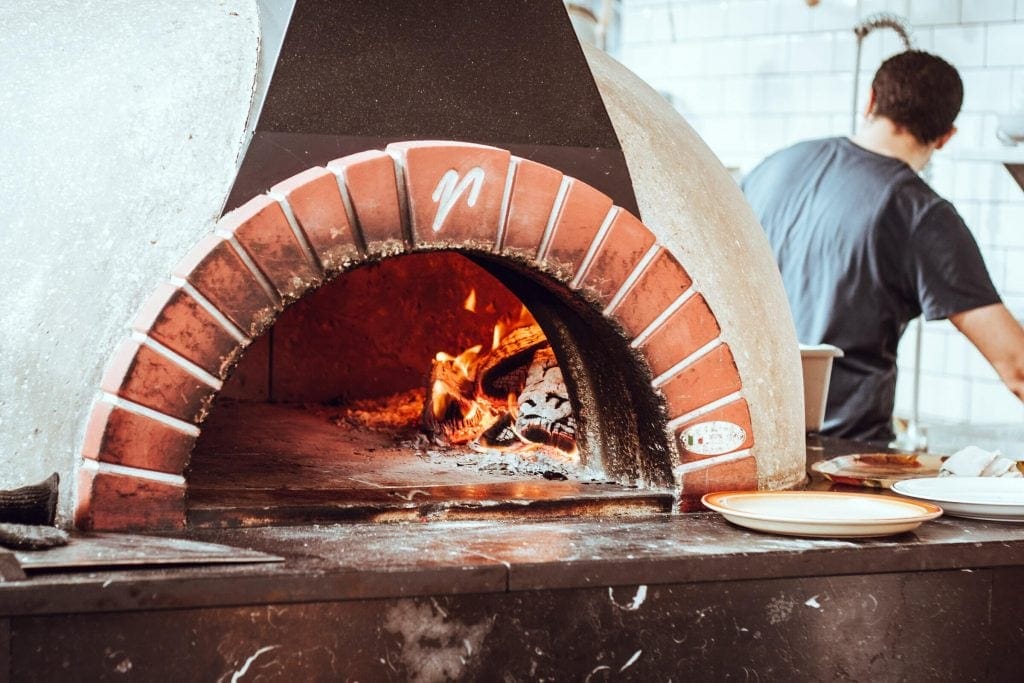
{"points": [[513, 464]]}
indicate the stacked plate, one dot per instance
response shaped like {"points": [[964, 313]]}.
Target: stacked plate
{"points": [[991, 498], [825, 514]]}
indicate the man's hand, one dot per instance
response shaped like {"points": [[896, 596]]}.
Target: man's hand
{"points": [[1000, 338]]}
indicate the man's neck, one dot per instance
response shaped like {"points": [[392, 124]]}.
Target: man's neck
{"points": [[881, 136]]}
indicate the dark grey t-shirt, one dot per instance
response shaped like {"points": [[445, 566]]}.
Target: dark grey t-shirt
{"points": [[864, 246]]}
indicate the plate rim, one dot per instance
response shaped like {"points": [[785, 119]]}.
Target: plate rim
{"points": [[928, 509], [956, 501]]}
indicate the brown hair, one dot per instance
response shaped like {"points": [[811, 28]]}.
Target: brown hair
{"points": [[920, 92]]}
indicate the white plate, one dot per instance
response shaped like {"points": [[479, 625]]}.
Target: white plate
{"points": [[825, 514], [992, 498]]}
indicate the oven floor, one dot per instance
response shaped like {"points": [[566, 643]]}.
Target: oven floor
{"points": [[260, 463]]}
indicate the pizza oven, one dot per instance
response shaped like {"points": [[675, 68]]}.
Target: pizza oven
{"points": [[490, 273]]}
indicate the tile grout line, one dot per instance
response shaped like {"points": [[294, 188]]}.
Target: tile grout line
{"points": [[215, 312], [346, 201], [506, 201], [549, 228], [300, 235], [631, 279], [403, 197], [648, 331], [265, 283], [101, 467], [595, 246], [704, 409], [179, 360], [705, 463], [155, 415], [664, 377]]}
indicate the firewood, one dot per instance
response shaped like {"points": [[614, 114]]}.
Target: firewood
{"points": [[545, 411]]}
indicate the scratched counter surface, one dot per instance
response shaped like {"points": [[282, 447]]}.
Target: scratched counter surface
{"points": [[654, 598]]}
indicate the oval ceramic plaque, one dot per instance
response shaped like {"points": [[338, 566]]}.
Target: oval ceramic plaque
{"points": [[712, 438]]}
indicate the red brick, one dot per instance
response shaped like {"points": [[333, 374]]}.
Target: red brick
{"points": [[689, 328], [118, 502], [373, 190], [534, 189], [142, 375], [624, 245], [172, 317], [118, 436], [659, 285], [576, 226], [220, 275], [320, 212], [441, 181], [735, 475], [250, 378], [262, 229], [736, 413], [712, 377]]}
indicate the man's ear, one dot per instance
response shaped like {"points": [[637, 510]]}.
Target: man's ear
{"points": [[941, 142], [869, 108]]}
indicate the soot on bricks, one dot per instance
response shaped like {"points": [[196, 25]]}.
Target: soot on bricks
{"points": [[416, 387]]}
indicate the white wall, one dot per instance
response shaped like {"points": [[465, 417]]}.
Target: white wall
{"points": [[754, 75]]}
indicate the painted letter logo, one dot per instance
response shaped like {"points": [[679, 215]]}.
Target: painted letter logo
{"points": [[450, 188]]}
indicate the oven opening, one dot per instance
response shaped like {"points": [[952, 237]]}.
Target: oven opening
{"points": [[433, 385]]}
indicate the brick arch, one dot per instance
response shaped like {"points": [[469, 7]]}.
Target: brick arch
{"points": [[411, 197]]}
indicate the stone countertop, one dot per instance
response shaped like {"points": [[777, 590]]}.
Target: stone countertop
{"points": [[360, 561]]}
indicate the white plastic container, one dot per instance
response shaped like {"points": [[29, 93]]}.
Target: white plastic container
{"points": [[817, 367]]}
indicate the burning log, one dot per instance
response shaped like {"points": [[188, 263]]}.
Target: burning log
{"points": [[510, 398]]}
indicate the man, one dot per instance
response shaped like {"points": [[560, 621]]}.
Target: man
{"points": [[865, 245]]}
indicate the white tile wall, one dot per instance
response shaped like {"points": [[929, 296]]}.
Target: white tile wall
{"points": [[988, 10], [754, 75]]}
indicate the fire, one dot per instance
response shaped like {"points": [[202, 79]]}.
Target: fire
{"points": [[510, 397]]}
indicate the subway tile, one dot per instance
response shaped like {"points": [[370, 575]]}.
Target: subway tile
{"points": [[925, 12], [957, 349], [942, 178], [987, 10], [993, 403], [832, 93], [1004, 45], [933, 353], [747, 18], [1013, 280], [844, 58], [647, 25], [1017, 103], [968, 132], [1008, 228], [706, 19], [786, 16], [987, 89], [869, 7], [943, 397], [810, 53], [725, 56], [962, 46], [837, 14], [767, 55], [682, 25], [687, 58]]}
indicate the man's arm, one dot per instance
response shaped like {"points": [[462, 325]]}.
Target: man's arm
{"points": [[1000, 338]]}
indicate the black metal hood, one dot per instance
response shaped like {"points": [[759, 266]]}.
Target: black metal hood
{"points": [[353, 75]]}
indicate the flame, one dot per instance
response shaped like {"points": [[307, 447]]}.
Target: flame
{"points": [[461, 408]]}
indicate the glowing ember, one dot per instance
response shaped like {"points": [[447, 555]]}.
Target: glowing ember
{"points": [[510, 398]]}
